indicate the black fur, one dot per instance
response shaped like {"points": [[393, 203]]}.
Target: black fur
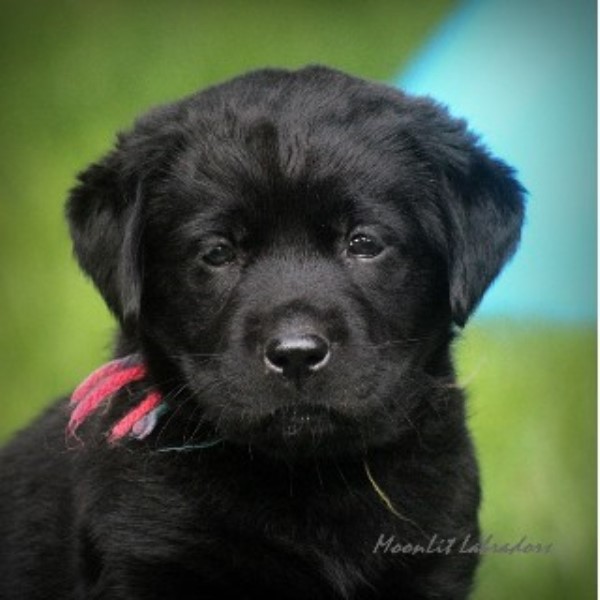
{"points": [[290, 252]]}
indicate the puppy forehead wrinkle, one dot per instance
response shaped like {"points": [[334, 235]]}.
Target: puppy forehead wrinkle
{"points": [[263, 205]]}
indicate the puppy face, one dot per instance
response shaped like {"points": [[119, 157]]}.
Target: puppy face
{"points": [[292, 248]]}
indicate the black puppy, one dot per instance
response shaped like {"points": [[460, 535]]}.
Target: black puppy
{"points": [[287, 255]]}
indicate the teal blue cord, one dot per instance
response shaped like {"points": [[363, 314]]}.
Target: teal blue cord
{"points": [[161, 410], [190, 447]]}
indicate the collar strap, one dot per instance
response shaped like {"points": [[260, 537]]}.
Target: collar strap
{"points": [[103, 384]]}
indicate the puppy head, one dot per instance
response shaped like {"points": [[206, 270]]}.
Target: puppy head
{"points": [[296, 246]]}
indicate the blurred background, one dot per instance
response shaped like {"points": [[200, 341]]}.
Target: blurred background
{"points": [[523, 73]]}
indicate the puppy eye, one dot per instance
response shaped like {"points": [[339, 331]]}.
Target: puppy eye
{"points": [[220, 255], [364, 246]]}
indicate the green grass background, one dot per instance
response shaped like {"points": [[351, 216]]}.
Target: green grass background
{"points": [[73, 73]]}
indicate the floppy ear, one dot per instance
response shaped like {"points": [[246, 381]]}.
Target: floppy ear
{"points": [[105, 210], [104, 214], [485, 210]]}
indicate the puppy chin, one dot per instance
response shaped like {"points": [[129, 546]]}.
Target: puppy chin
{"points": [[298, 432]]}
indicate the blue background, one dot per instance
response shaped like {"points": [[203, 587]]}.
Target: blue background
{"points": [[523, 74]]}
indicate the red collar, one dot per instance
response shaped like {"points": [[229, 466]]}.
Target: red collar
{"points": [[104, 383]]}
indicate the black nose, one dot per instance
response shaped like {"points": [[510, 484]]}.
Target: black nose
{"points": [[296, 355]]}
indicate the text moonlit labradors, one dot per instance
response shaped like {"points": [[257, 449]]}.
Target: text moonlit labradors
{"points": [[439, 545]]}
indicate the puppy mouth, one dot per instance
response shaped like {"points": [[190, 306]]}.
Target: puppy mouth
{"points": [[296, 421], [304, 430]]}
